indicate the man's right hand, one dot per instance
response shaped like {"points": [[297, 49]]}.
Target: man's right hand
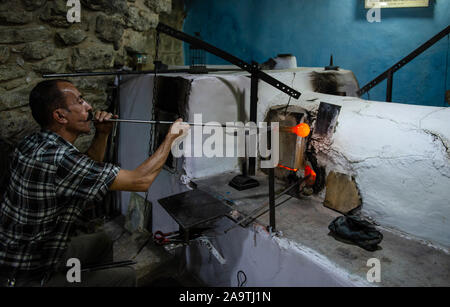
{"points": [[179, 129], [141, 178]]}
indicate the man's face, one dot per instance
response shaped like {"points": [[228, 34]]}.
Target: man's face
{"points": [[77, 109]]}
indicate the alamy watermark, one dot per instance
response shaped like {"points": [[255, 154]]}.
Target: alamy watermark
{"points": [[74, 273], [236, 139], [374, 274], [74, 12], [374, 14]]}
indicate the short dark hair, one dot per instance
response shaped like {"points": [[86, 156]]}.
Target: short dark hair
{"points": [[45, 97]]}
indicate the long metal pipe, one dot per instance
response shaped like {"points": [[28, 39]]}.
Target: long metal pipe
{"points": [[133, 72], [164, 122], [150, 122]]}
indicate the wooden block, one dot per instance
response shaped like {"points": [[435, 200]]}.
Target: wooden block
{"points": [[342, 194]]}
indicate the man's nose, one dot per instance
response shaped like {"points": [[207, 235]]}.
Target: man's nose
{"points": [[88, 106]]}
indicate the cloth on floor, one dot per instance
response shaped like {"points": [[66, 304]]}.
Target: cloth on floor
{"points": [[357, 231]]}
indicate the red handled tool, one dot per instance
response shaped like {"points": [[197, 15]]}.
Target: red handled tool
{"points": [[162, 238]]}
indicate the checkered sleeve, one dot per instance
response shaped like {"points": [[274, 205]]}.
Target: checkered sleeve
{"points": [[82, 178]]}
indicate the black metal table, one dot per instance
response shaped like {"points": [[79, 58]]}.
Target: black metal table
{"points": [[193, 208]]}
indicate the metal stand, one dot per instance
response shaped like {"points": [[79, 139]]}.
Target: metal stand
{"points": [[253, 112], [390, 82], [272, 200]]}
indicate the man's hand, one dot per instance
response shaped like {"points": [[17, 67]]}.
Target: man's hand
{"points": [[179, 129], [141, 178], [101, 125]]}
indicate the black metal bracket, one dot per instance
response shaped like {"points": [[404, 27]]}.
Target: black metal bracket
{"points": [[251, 68]]}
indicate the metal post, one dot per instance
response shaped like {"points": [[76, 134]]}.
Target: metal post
{"points": [[272, 199], [253, 113], [390, 80], [117, 204]]}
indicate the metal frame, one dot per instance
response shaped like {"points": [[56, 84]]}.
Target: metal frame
{"points": [[253, 69], [256, 75]]}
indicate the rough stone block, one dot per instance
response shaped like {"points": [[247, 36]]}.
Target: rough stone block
{"points": [[13, 13], [342, 194], [38, 50], [107, 6], [14, 99], [17, 124], [4, 54], [93, 57], [160, 6], [55, 13], [135, 42], [109, 29], [96, 85], [50, 66], [11, 85], [10, 72], [141, 20], [31, 5], [71, 37], [23, 34], [120, 58]]}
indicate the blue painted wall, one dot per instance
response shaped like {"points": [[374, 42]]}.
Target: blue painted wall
{"points": [[313, 29]]}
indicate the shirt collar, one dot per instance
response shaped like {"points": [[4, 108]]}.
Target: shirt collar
{"points": [[52, 136]]}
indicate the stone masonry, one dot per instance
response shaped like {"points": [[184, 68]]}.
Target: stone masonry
{"points": [[36, 39]]}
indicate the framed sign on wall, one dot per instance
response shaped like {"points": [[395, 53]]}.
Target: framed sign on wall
{"points": [[395, 3]]}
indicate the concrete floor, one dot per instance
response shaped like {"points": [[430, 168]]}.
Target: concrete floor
{"points": [[156, 266], [405, 261]]}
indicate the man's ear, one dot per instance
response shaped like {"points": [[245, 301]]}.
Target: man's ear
{"points": [[59, 117]]}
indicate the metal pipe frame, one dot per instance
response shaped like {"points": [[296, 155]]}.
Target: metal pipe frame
{"points": [[253, 69], [390, 72]]}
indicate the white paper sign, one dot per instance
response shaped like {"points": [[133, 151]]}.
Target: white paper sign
{"points": [[396, 3]]}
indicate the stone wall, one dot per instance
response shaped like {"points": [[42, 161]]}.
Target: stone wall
{"points": [[36, 39]]}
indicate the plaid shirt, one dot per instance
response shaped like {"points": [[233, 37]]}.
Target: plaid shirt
{"points": [[50, 184]]}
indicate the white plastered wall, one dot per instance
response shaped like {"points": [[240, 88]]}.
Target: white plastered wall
{"points": [[398, 153]]}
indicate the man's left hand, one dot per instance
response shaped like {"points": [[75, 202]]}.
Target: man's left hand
{"points": [[102, 126]]}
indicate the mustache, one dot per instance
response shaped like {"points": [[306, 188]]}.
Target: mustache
{"points": [[90, 116]]}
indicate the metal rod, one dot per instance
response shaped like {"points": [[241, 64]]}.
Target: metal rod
{"points": [[130, 72], [404, 61], [164, 122], [272, 199], [253, 114], [109, 265], [390, 83], [117, 198], [228, 57]]}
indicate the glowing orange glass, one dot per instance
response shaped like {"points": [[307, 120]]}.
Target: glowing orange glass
{"points": [[301, 130], [288, 168]]}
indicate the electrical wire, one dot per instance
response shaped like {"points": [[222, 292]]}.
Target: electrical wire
{"points": [[285, 109], [240, 282], [151, 142], [289, 101]]}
